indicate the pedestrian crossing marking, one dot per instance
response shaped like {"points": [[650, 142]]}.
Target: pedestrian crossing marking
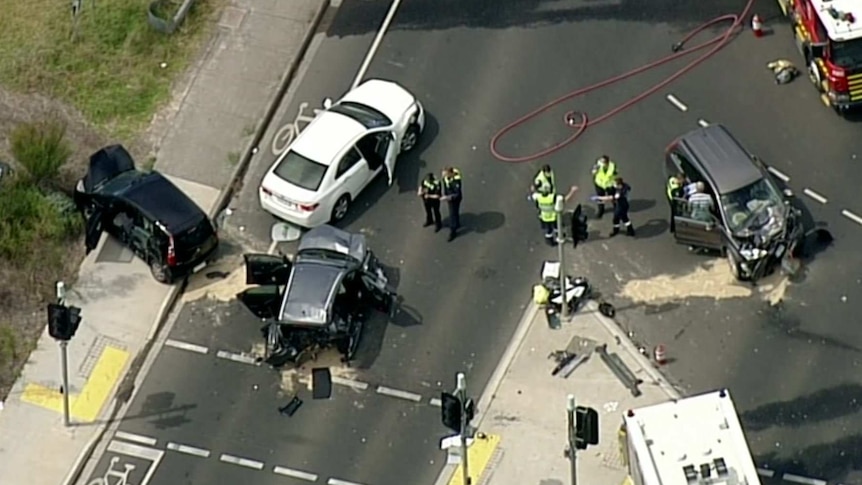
{"points": [[479, 456], [83, 407]]}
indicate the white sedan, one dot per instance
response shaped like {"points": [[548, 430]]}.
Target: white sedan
{"points": [[336, 156]]}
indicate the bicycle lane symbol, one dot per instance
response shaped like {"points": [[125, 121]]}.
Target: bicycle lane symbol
{"points": [[285, 135], [130, 465]]}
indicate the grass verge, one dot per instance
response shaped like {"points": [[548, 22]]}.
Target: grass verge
{"points": [[117, 72]]}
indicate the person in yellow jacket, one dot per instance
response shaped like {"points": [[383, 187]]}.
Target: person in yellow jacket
{"points": [[604, 177], [546, 200]]}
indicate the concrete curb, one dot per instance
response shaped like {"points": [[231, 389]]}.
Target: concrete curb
{"points": [[497, 378], [289, 75], [127, 385], [617, 333]]}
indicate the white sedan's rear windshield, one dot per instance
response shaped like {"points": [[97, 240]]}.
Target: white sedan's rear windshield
{"points": [[300, 171]]}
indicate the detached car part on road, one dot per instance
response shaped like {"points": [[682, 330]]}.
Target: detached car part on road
{"points": [[753, 224], [322, 299], [339, 153], [146, 212]]}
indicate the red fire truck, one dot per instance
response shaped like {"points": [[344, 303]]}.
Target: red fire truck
{"points": [[828, 33]]}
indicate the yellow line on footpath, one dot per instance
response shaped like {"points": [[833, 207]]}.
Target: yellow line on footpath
{"points": [[479, 455], [84, 407]]}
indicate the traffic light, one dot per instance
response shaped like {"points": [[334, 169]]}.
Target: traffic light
{"points": [[580, 230], [451, 409], [586, 427], [63, 321]]}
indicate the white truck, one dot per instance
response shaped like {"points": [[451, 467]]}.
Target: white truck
{"points": [[696, 440]]}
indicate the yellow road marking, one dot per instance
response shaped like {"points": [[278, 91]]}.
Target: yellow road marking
{"points": [[478, 457], [84, 407]]}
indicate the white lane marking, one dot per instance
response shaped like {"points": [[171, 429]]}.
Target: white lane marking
{"points": [[273, 245], [136, 451], [200, 349], [388, 391], [779, 174], [804, 480], [763, 472], [702, 122], [290, 472], [676, 102], [376, 44], [350, 383], [135, 438], [436, 402], [237, 460], [243, 359], [189, 450], [853, 217], [814, 195], [336, 481]]}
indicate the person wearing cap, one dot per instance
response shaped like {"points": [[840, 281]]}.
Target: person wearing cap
{"points": [[604, 174], [453, 195], [546, 200], [545, 177], [430, 191]]}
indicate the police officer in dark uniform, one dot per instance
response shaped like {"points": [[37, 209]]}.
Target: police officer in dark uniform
{"points": [[452, 194], [621, 206], [431, 190]]}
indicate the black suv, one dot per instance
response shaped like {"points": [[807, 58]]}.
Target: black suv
{"points": [[321, 299], [753, 223], [146, 212]]}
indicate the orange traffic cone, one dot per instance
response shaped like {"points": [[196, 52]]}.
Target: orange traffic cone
{"points": [[660, 355], [757, 26]]}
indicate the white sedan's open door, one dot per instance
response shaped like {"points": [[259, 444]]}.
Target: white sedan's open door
{"points": [[391, 157]]}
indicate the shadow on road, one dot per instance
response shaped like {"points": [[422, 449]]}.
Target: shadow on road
{"points": [[822, 405], [833, 461]]}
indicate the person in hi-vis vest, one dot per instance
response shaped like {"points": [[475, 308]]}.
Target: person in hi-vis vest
{"points": [[604, 178], [546, 200]]}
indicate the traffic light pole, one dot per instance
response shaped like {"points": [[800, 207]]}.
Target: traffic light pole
{"points": [[461, 390], [572, 432], [64, 367], [559, 205], [64, 359]]}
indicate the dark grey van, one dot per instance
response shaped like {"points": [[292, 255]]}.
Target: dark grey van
{"points": [[753, 223]]}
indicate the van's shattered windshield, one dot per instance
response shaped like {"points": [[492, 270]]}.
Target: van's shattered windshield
{"points": [[752, 206]]}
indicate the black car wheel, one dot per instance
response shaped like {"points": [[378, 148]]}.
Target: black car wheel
{"points": [[411, 138], [339, 210], [160, 272]]}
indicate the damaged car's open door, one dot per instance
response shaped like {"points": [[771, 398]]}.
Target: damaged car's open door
{"points": [[94, 226]]}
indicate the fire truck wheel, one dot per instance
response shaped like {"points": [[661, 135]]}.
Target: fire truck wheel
{"points": [[814, 74]]}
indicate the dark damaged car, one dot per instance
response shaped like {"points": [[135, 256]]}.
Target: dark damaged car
{"points": [[754, 224], [322, 299], [145, 212]]}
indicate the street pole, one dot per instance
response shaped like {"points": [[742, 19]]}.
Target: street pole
{"points": [[64, 358], [64, 366], [570, 408], [559, 205], [461, 389]]}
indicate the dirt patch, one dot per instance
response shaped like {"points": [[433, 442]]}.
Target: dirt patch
{"points": [[23, 294], [219, 281], [295, 379], [711, 280]]}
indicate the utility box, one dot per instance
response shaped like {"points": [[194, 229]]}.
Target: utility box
{"points": [[697, 440]]}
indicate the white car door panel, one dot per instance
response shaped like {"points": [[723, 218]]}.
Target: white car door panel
{"points": [[391, 157], [350, 175]]}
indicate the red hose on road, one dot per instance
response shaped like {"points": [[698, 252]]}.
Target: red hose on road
{"points": [[571, 117]]}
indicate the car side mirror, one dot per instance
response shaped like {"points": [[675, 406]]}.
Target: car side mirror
{"points": [[327, 103]]}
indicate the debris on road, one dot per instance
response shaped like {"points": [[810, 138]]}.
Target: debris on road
{"points": [[783, 70]]}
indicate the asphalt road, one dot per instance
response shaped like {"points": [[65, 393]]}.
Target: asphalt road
{"points": [[792, 367]]}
